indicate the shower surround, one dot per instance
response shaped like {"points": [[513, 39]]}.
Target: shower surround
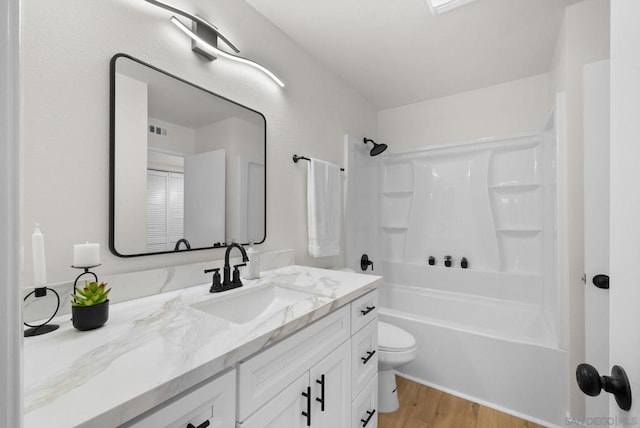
{"points": [[483, 201], [495, 331]]}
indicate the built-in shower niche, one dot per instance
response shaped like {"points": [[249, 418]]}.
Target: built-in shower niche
{"points": [[394, 223], [516, 162], [396, 198], [517, 201]]}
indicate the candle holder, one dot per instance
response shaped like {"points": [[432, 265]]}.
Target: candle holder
{"points": [[86, 272], [36, 330], [87, 312]]}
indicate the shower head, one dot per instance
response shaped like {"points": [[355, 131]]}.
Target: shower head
{"points": [[377, 148]]}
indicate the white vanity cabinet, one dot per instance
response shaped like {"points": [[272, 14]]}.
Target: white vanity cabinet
{"points": [[319, 398], [263, 376], [287, 384], [322, 376], [211, 404]]}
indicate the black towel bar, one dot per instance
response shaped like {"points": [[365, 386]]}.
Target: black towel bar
{"points": [[296, 158]]}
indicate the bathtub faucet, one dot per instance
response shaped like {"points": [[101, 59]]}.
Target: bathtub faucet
{"points": [[365, 262]]}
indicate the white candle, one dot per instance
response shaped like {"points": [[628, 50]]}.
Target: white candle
{"points": [[86, 255], [39, 265]]}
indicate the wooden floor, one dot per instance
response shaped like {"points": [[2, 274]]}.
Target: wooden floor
{"points": [[424, 407]]}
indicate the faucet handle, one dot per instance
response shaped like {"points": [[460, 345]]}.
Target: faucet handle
{"points": [[216, 286], [236, 273]]}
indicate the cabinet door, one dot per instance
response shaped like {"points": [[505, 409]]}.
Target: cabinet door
{"points": [[262, 376], [331, 386], [285, 409]]}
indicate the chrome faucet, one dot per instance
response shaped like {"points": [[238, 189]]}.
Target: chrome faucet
{"points": [[228, 282], [182, 241]]}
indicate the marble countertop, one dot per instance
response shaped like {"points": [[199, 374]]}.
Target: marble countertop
{"points": [[154, 348]]}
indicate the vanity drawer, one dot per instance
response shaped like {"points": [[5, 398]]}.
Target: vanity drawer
{"points": [[364, 410], [364, 357], [363, 310], [271, 371], [214, 401]]}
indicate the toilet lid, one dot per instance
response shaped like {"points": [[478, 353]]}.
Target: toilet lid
{"points": [[392, 338]]}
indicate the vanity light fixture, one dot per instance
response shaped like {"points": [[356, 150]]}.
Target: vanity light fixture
{"points": [[215, 51], [204, 37]]}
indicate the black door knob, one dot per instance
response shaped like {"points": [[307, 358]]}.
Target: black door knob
{"points": [[591, 383], [601, 281]]}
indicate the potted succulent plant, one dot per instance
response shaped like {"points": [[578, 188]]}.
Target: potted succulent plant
{"points": [[90, 306]]}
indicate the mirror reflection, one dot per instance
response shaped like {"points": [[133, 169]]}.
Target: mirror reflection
{"points": [[187, 166]]}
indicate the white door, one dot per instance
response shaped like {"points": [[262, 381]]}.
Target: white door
{"points": [[256, 202], [624, 294], [331, 389], [596, 224], [251, 201], [204, 198]]}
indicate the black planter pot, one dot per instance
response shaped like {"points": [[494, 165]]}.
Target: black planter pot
{"points": [[90, 317]]}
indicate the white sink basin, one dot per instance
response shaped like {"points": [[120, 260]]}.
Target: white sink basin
{"points": [[247, 305]]}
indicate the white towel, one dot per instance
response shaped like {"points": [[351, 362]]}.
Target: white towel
{"points": [[323, 208]]}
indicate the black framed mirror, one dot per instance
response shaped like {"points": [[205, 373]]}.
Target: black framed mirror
{"points": [[187, 166]]}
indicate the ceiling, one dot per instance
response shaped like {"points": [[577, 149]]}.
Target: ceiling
{"points": [[395, 52]]}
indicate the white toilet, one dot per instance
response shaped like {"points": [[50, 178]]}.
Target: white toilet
{"points": [[396, 347]]}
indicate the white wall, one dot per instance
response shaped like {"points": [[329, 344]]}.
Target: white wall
{"points": [[179, 139], [584, 38], [511, 107], [68, 45], [10, 216]]}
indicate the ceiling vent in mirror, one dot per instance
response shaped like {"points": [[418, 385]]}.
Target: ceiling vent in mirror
{"points": [[441, 6], [204, 39]]}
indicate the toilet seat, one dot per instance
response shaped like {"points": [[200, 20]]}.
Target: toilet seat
{"points": [[394, 339]]}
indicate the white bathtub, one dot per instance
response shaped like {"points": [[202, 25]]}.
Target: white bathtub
{"points": [[499, 353]]}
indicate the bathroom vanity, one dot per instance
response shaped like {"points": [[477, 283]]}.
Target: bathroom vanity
{"points": [[298, 347]]}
